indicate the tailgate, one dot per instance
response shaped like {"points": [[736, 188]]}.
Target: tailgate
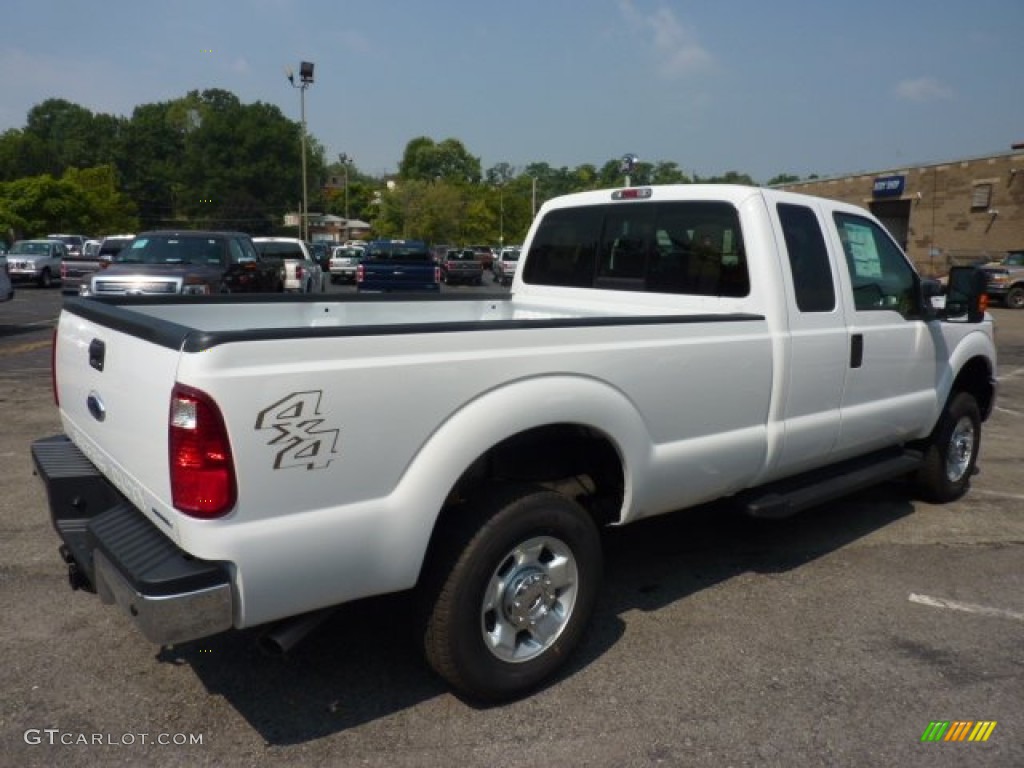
{"points": [[114, 391]]}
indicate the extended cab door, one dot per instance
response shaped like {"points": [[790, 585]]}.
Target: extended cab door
{"points": [[891, 373], [817, 342]]}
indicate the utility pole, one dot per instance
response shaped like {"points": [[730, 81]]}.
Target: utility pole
{"points": [[305, 80]]}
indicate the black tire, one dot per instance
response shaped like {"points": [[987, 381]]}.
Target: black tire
{"points": [[45, 279], [952, 451], [1015, 297], [508, 591]]}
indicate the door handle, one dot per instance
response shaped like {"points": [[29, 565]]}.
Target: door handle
{"points": [[856, 350]]}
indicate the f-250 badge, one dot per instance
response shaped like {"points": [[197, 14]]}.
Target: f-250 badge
{"points": [[296, 421]]}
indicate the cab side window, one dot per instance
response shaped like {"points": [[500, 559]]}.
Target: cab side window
{"points": [[881, 277], [808, 259]]}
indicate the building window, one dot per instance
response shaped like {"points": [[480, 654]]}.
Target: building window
{"points": [[981, 196]]}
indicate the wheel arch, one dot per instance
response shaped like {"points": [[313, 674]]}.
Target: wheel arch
{"points": [[579, 436]]}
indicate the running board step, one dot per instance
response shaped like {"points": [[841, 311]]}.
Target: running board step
{"points": [[796, 494]]}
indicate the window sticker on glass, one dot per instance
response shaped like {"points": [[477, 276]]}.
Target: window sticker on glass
{"points": [[860, 243]]}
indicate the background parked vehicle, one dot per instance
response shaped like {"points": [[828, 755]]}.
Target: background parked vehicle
{"points": [[36, 261], [302, 273], [505, 265], [345, 262], [461, 267], [75, 271], [484, 254], [196, 263], [6, 286], [321, 253], [75, 243], [398, 265], [1005, 279]]}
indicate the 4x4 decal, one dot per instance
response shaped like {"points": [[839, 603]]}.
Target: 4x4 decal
{"points": [[296, 421]]}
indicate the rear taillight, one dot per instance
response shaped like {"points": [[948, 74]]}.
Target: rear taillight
{"points": [[360, 273], [437, 274], [202, 467]]}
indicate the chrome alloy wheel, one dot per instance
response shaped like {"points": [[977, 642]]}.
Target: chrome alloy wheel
{"points": [[961, 448], [530, 599]]}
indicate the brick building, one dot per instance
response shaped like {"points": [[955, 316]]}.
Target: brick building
{"points": [[946, 213]]}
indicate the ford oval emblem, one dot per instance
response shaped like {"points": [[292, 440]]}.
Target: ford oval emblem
{"points": [[96, 406]]}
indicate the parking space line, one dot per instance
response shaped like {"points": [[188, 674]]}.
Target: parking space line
{"points": [[998, 494], [954, 605]]}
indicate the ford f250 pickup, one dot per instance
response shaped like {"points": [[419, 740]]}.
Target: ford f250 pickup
{"points": [[660, 347]]}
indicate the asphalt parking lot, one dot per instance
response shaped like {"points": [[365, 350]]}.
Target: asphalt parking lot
{"points": [[834, 638]]}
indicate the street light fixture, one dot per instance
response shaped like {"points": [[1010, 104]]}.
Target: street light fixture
{"points": [[627, 166], [305, 80]]}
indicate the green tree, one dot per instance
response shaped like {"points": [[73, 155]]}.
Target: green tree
{"points": [[425, 160], [72, 135], [37, 205]]}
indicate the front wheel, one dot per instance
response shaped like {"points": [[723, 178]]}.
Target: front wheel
{"points": [[45, 279], [509, 590], [952, 451], [1015, 297]]}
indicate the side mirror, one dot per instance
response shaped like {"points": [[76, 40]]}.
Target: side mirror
{"points": [[966, 299]]}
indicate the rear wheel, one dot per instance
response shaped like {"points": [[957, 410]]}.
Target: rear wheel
{"points": [[509, 590], [952, 452]]}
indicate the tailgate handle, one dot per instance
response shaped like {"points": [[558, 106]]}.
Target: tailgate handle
{"points": [[97, 354]]}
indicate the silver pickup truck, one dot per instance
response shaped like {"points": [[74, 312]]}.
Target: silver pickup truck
{"points": [[230, 462]]}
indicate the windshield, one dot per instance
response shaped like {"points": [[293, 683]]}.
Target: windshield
{"points": [[31, 246], [404, 250], [173, 249], [280, 249]]}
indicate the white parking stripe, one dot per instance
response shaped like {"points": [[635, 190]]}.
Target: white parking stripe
{"points": [[997, 494], [954, 605]]}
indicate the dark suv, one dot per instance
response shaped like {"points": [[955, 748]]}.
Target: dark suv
{"points": [[191, 262]]}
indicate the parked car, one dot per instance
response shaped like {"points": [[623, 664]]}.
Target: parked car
{"points": [[75, 271], [302, 274], [505, 265], [398, 265], [194, 263], [461, 266], [1005, 279], [345, 263], [6, 286], [36, 261], [321, 252], [75, 243], [484, 254]]}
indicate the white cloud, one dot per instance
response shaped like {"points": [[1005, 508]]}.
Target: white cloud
{"points": [[922, 90], [675, 46], [240, 66]]}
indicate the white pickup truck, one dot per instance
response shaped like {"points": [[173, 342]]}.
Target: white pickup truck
{"points": [[229, 462]]}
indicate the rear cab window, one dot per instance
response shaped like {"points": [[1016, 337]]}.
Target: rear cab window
{"points": [[685, 247]]}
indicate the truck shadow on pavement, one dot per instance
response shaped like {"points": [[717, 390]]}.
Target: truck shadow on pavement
{"points": [[363, 664]]}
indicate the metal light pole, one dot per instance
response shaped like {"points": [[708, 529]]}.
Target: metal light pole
{"points": [[344, 159], [305, 80]]}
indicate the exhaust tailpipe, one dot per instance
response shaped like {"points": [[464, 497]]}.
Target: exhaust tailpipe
{"points": [[286, 634]]}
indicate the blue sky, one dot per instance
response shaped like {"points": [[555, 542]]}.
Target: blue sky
{"points": [[787, 86]]}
